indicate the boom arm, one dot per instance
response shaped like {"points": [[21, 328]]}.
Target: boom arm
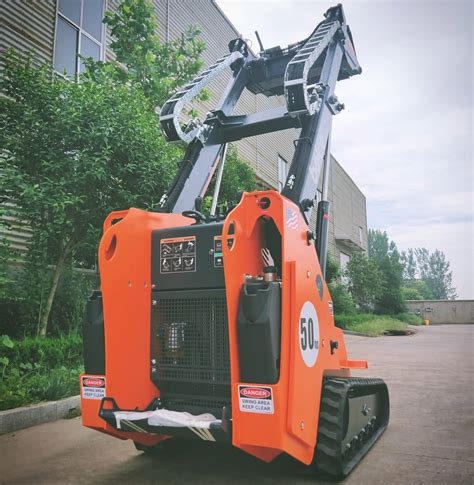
{"points": [[305, 72]]}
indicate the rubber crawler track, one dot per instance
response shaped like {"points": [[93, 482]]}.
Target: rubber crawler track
{"points": [[332, 427]]}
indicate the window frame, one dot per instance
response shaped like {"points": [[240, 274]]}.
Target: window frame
{"points": [[80, 32], [343, 266]]}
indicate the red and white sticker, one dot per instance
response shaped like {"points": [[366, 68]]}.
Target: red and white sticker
{"points": [[256, 399], [93, 387]]}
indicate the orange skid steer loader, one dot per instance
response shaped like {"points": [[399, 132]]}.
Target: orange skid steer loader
{"points": [[220, 327]]}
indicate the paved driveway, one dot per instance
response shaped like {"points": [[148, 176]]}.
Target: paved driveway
{"points": [[429, 440]]}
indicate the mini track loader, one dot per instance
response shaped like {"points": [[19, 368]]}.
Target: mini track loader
{"points": [[221, 327]]}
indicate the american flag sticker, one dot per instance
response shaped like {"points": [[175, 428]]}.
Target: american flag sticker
{"points": [[291, 218]]}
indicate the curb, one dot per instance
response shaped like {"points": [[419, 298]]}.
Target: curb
{"points": [[20, 418], [357, 334], [409, 333]]}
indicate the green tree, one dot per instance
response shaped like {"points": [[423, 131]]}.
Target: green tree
{"points": [[71, 152], [416, 289], [408, 260], [379, 245], [365, 281], [427, 274], [158, 68], [333, 272], [435, 271], [387, 258]]}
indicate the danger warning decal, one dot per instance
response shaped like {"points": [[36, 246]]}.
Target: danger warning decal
{"points": [[254, 399], [93, 387]]}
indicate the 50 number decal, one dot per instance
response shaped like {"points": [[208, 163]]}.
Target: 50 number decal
{"points": [[309, 334]]}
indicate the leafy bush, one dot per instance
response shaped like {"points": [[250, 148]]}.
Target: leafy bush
{"points": [[55, 384], [411, 294], [410, 318], [46, 352], [341, 299], [33, 369], [28, 387]]}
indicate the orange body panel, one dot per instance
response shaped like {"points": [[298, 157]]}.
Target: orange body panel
{"points": [[293, 426], [125, 269], [125, 266]]}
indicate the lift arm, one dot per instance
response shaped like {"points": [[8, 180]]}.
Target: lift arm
{"points": [[305, 73]]}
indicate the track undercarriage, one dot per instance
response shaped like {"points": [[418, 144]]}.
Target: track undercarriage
{"points": [[354, 413]]}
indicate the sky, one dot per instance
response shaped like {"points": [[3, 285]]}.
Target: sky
{"points": [[406, 135]]}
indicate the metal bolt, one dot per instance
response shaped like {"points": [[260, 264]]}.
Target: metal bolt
{"points": [[154, 302], [308, 274], [302, 425]]}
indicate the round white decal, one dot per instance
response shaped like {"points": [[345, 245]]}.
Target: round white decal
{"points": [[309, 334]]}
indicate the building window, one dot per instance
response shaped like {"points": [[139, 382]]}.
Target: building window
{"points": [[282, 172], [344, 259], [79, 30], [361, 234]]}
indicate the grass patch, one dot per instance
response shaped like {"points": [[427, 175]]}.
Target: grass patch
{"points": [[376, 325]]}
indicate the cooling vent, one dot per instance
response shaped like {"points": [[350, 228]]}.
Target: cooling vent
{"points": [[190, 350]]}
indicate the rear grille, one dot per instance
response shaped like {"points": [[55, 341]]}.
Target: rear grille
{"points": [[190, 345]]}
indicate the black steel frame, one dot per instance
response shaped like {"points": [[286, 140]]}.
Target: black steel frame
{"points": [[307, 73]]}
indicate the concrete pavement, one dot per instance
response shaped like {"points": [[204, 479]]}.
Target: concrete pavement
{"points": [[429, 439]]}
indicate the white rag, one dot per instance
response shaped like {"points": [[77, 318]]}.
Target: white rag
{"points": [[164, 417]]}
